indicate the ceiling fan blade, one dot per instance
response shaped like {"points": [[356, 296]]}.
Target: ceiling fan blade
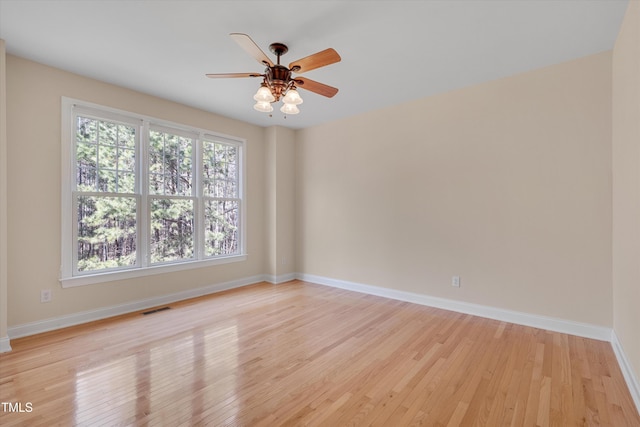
{"points": [[251, 48], [232, 75], [314, 86], [317, 60]]}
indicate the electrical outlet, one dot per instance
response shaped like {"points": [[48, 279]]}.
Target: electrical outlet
{"points": [[455, 281], [45, 295]]}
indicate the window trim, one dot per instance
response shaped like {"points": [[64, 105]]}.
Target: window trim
{"points": [[67, 267]]}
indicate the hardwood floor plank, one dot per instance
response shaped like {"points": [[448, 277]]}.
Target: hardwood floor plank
{"points": [[304, 354]]}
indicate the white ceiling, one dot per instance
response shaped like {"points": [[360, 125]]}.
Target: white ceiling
{"points": [[392, 51]]}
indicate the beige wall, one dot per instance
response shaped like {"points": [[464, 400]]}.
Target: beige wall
{"points": [[506, 184], [34, 94], [280, 204], [285, 200], [3, 196], [626, 186], [271, 191]]}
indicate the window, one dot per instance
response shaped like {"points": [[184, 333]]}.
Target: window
{"points": [[142, 196]]}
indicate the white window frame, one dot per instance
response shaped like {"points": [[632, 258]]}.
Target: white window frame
{"points": [[69, 277]]}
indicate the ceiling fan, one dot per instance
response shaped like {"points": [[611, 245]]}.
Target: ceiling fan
{"points": [[277, 80]]}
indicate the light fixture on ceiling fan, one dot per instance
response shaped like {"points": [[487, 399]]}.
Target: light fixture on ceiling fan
{"points": [[277, 80]]}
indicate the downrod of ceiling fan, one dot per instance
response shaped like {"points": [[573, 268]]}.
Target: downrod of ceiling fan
{"points": [[278, 49]]}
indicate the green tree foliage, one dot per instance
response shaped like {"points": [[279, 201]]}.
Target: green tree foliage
{"points": [[220, 187], [106, 232], [221, 227], [105, 173], [172, 219]]}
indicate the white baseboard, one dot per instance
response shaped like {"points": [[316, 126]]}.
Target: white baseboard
{"points": [[627, 371], [280, 279], [5, 345], [105, 312], [542, 322]]}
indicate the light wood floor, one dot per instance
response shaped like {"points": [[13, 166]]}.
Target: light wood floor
{"points": [[304, 354]]}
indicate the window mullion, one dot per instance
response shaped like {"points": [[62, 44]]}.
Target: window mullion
{"points": [[74, 215], [198, 204], [143, 218], [240, 174]]}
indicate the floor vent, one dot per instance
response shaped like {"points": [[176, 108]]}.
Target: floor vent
{"points": [[156, 310]]}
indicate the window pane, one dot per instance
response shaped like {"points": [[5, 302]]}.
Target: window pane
{"points": [[156, 183], [126, 160], [233, 171], [231, 154], [107, 181], [220, 170], [107, 133], [221, 227], [126, 182], [171, 236], [107, 157], [86, 167], [127, 137], [170, 156], [106, 232], [99, 160], [86, 130], [223, 188]]}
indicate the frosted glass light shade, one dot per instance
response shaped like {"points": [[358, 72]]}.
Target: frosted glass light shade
{"points": [[263, 106], [292, 97], [264, 95], [289, 109]]}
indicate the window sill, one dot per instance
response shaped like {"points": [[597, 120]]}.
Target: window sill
{"points": [[91, 279]]}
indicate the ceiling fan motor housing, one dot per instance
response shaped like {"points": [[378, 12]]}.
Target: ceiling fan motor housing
{"points": [[278, 78]]}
